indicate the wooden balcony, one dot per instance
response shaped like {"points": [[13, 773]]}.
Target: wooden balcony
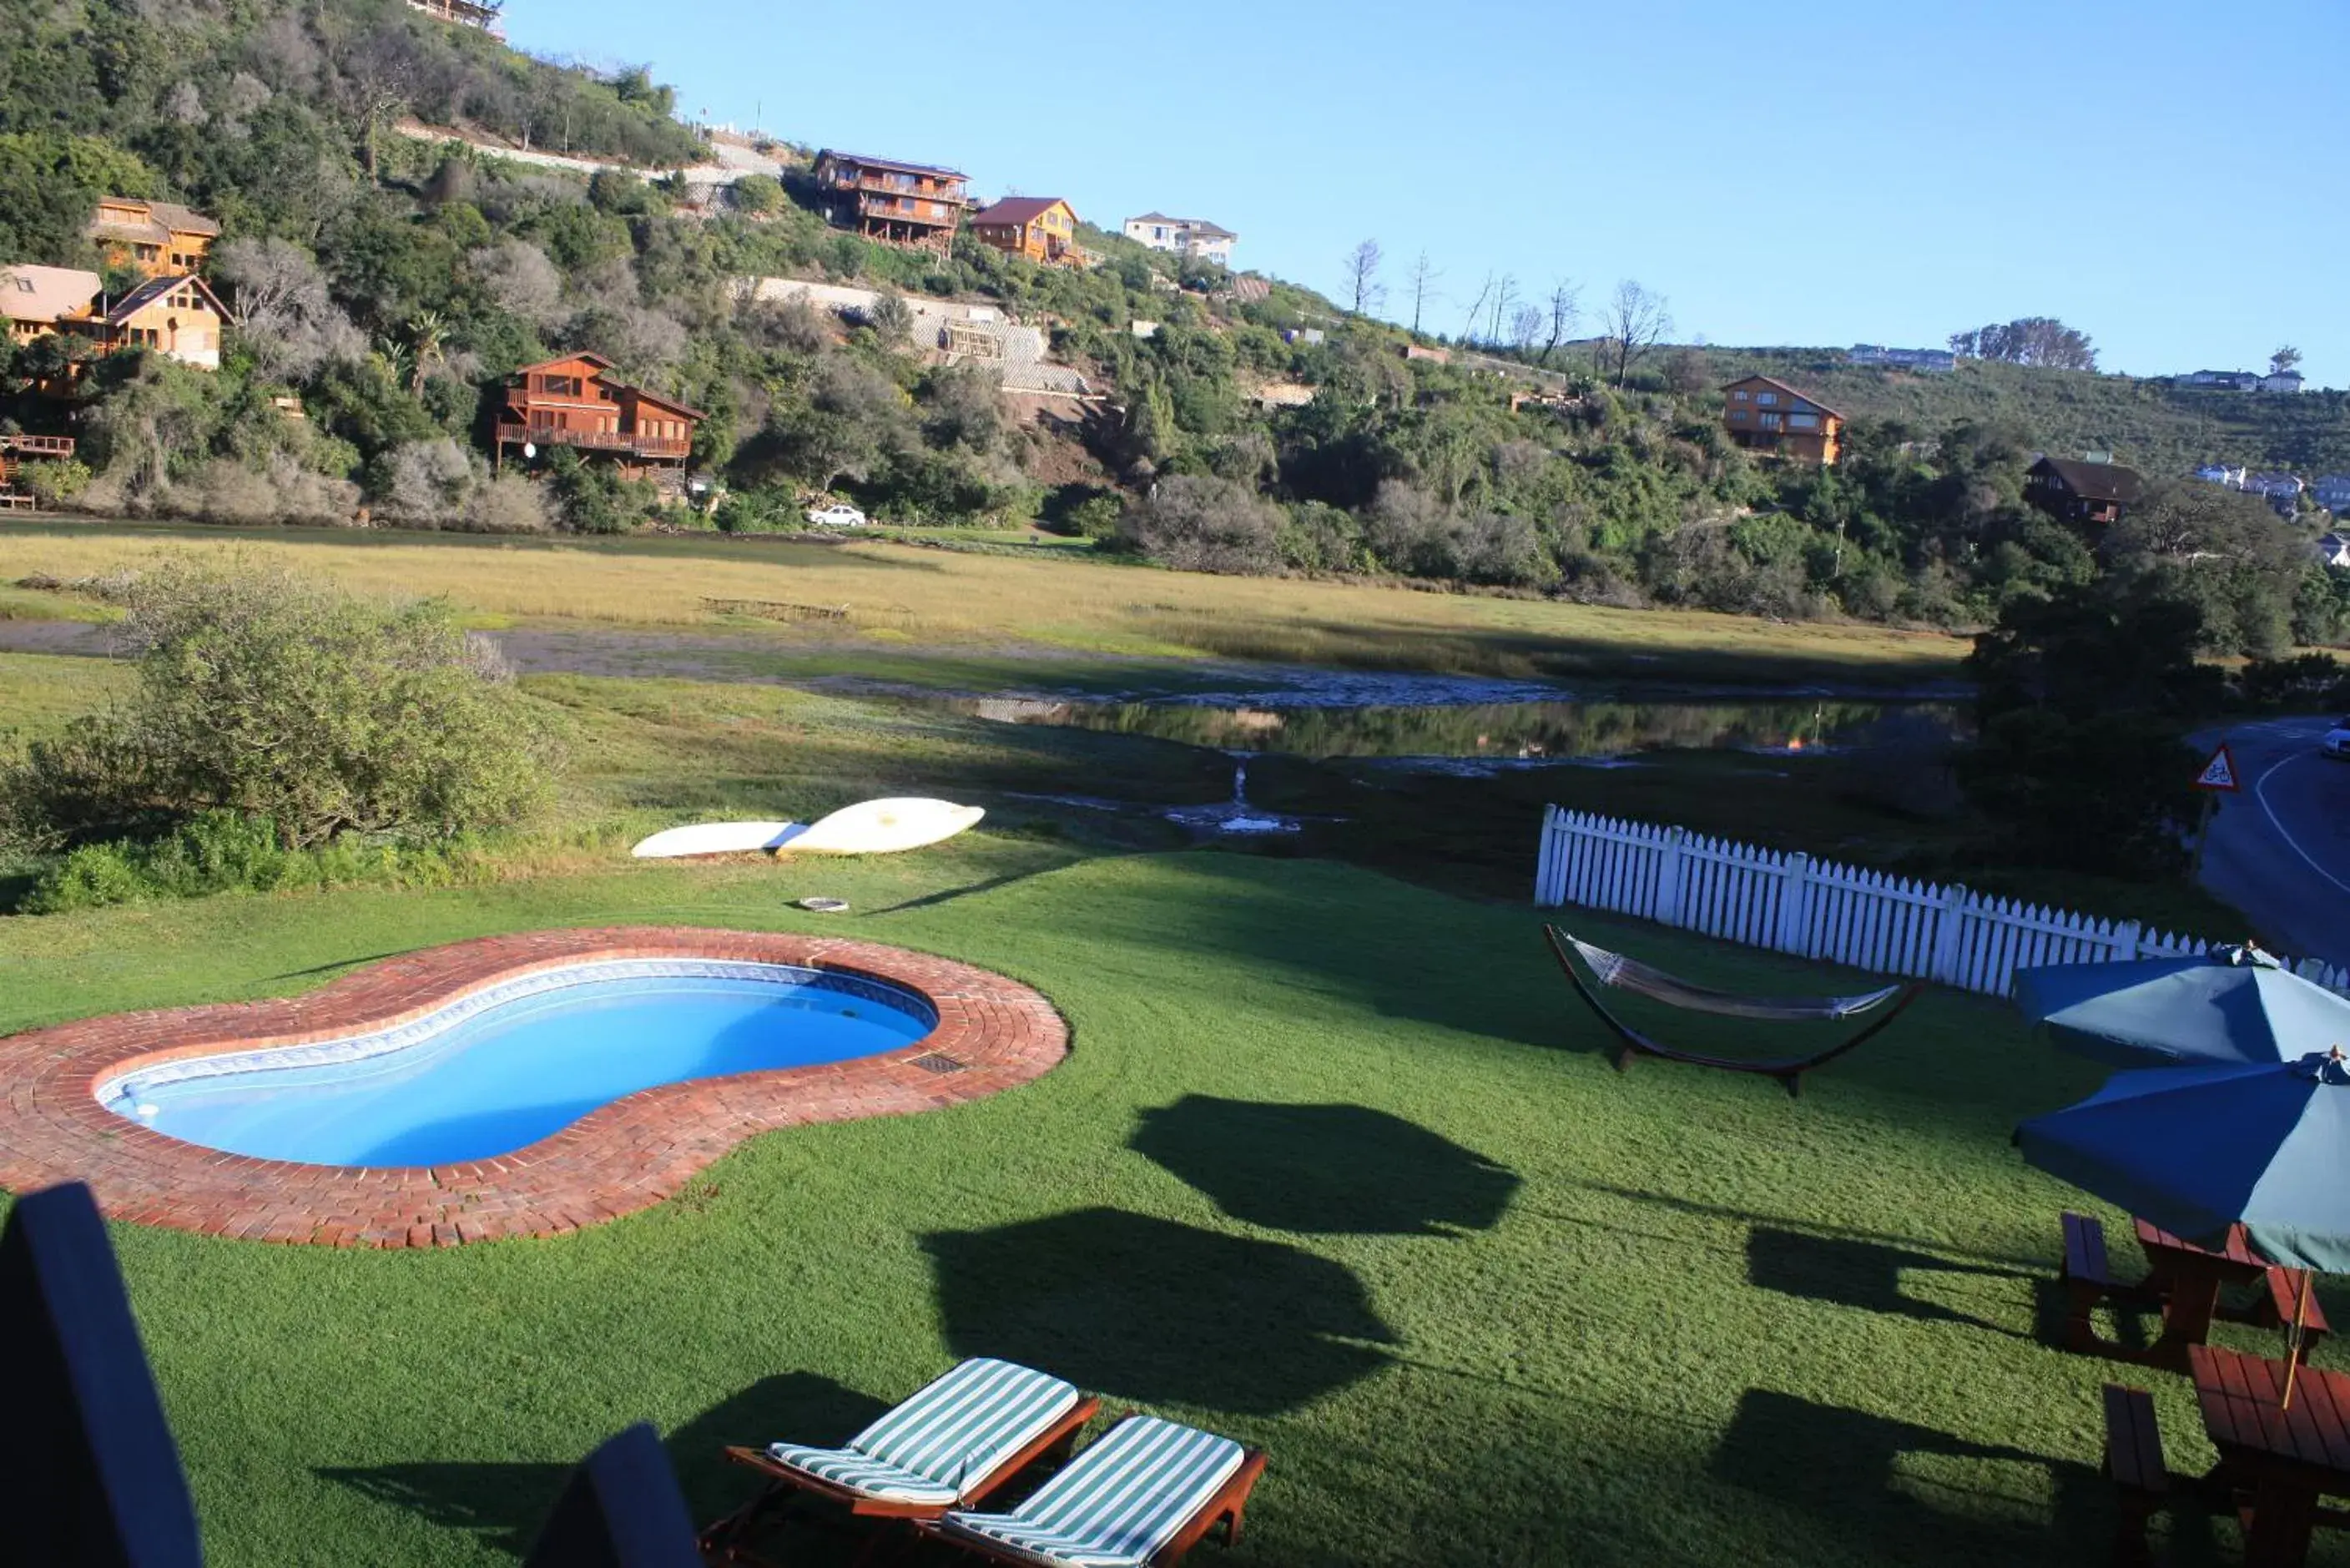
{"points": [[598, 440], [38, 445]]}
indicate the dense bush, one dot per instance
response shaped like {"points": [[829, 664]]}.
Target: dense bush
{"points": [[267, 695]]}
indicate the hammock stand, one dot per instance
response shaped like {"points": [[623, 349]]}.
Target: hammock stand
{"points": [[1614, 970]]}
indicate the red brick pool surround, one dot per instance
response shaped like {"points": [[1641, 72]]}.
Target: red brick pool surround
{"points": [[622, 1157]]}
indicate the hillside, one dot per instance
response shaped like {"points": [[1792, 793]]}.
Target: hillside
{"points": [[2155, 427], [385, 288]]}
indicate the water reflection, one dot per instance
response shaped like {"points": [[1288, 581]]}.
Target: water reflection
{"points": [[1499, 733]]}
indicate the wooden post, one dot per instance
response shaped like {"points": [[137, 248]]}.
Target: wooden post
{"points": [[2203, 829]]}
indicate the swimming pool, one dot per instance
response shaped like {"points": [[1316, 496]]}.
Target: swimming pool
{"points": [[505, 1066]]}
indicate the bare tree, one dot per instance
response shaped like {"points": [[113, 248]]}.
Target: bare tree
{"points": [[1525, 327], [1566, 305], [1423, 280], [1476, 309], [1633, 324], [1506, 299], [380, 78], [1362, 277]]}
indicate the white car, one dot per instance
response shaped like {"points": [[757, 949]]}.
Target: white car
{"points": [[2336, 743], [840, 514]]}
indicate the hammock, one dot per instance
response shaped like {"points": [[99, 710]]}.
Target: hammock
{"points": [[1629, 974]]}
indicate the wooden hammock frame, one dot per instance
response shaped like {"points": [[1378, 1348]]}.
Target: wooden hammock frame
{"points": [[1789, 1071]]}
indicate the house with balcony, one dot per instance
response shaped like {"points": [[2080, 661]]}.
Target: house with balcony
{"points": [[1184, 237], [482, 14], [898, 203], [1042, 228], [1767, 416], [576, 402], [162, 239], [2076, 491]]}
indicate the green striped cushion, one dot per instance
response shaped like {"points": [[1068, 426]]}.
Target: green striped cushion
{"points": [[1116, 1503], [946, 1438]]}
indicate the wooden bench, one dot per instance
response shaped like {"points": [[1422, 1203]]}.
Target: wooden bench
{"points": [[2284, 1299], [2087, 1278], [2134, 1464]]}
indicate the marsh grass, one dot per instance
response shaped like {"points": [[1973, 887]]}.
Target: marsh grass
{"points": [[941, 597]]}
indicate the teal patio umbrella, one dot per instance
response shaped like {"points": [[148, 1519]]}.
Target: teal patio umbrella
{"points": [[2235, 1006], [2196, 1150]]}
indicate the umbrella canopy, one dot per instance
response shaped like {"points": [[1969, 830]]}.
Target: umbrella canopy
{"points": [[2196, 1150], [2156, 1012]]}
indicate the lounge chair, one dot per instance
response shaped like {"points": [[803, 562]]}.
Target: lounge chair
{"points": [[950, 1446], [1144, 1495]]}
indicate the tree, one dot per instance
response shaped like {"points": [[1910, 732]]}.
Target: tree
{"points": [[1566, 305], [428, 336], [1423, 280], [1362, 275], [2041, 340], [283, 697], [2284, 360], [1634, 322], [1198, 523]]}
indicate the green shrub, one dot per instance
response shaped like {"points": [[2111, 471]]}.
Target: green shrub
{"points": [[266, 695]]}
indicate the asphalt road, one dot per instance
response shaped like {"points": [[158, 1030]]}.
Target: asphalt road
{"points": [[2279, 848]]}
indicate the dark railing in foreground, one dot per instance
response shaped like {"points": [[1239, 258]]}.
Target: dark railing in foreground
{"points": [[90, 1475]]}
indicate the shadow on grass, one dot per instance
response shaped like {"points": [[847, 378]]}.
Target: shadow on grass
{"points": [[1857, 1272], [1858, 1474], [502, 1503], [1341, 1170], [1150, 1310]]}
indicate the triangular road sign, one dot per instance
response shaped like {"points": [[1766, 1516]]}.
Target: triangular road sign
{"points": [[2220, 772]]}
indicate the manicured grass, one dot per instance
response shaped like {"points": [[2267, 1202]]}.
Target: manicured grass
{"points": [[896, 593], [1336, 1168]]}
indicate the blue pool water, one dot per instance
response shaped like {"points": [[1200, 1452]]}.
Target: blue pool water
{"points": [[506, 1067]]}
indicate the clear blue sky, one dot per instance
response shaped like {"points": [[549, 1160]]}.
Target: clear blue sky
{"points": [[2170, 178]]}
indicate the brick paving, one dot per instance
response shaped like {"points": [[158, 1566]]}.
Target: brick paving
{"points": [[621, 1157]]}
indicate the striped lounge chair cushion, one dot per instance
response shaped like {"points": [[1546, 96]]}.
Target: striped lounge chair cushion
{"points": [[945, 1439], [1116, 1503]]}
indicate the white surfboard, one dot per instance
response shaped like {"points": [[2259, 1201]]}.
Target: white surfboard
{"points": [[717, 838], [884, 828]]}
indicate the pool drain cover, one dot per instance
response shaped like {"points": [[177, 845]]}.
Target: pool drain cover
{"points": [[938, 1062]]}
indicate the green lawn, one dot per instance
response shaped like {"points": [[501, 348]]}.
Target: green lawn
{"points": [[1336, 1168]]}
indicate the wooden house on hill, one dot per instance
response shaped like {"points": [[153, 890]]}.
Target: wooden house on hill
{"points": [[1042, 228], [162, 239], [2076, 492], [576, 402], [179, 318], [897, 203], [1769, 416]]}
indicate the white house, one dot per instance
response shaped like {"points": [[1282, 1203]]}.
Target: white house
{"points": [[1183, 236], [2280, 381], [2331, 550]]}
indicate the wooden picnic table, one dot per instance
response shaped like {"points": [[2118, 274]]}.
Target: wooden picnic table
{"points": [[2189, 1280], [2283, 1461]]}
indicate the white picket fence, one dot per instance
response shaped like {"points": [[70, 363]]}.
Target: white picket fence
{"points": [[1838, 914]]}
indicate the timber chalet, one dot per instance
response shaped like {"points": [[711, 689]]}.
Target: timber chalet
{"points": [[576, 402], [898, 203]]}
